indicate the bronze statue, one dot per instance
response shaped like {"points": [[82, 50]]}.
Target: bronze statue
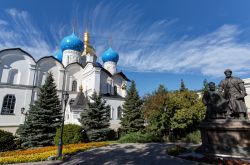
{"points": [[233, 90], [216, 104]]}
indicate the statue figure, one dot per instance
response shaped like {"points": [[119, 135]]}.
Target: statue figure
{"points": [[233, 90], [216, 104]]}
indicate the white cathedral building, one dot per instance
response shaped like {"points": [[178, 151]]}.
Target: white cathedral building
{"points": [[75, 70]]}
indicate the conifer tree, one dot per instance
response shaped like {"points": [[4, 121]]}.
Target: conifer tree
{"points": [[43, 117], [96, 115], [182, 86], [132, 119], [205, 86]]}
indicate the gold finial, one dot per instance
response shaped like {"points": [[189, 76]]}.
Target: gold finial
{"points": [[86, 38], [81, 88], [87, 46]]}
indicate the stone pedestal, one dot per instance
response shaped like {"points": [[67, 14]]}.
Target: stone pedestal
{"points": [[226, 137]]}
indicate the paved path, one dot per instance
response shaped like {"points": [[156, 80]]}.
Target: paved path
{"points": [[119, 154]]}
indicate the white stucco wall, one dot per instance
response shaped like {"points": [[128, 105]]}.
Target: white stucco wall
{"points": [[114, 104], [73, 73], [46, 65], [26, 74], [23, 99], [20, 85], [19, 62], [104, 83], [247, 98]]}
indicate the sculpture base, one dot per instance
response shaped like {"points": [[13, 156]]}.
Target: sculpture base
{"points": [[226, 137]]}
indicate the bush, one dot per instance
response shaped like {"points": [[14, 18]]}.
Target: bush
{"points": [[176, 150], [72, 133], [6, 141], [101, 134], [169, 138], [193, 137], [138, 137]]}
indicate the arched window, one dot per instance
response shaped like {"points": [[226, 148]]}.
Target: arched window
{"points": [[74, 85], [119, 113], [111, 113], [115, 90], [9, 102], [13, 75]]}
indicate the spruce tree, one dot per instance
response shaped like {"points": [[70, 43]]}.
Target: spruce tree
{"points": [[132, 119], [205, 86], [43, 117], [96, 115], [182, 86]]}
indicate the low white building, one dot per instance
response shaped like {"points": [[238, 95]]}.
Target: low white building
{"points": [[74, 69], [247, 98]]}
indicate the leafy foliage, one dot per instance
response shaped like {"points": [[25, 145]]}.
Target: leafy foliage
{"points": [[189, 113], [138, 137], [132, 119], [72, 134], [156, 112], [193, 137], [44, 117], [174, 113], [176, 150], [101, 134], [6, 141]]}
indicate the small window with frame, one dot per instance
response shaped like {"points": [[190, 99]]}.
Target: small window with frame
{"points": [[8, 107]]}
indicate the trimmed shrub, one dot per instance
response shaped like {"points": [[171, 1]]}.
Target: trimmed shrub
{"points": [[138, 137], [6, 141], [193, 137], [101, 134], [72, 134]]}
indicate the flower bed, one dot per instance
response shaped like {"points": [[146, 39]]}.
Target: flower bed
{"points": [[40, 154]]}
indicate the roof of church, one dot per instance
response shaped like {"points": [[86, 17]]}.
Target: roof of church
{"points": [[122, 74], [72, 42], [94, 64], [112, 96], [80, 101], [19, 49], [110, 55]]}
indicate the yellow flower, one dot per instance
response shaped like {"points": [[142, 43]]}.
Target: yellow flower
{"points": [[42, 153]]}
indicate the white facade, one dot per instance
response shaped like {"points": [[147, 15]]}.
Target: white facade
{"points": [[21, 76], [247, 98], [110, 66]]}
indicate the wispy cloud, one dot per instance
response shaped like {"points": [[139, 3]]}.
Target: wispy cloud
{"points": [[18, 30], [152, 47], [208, 54], [143, 45]]}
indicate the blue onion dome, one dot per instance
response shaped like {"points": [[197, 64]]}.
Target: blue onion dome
{"points": [[59, 55], [110, 55], [72, 42]]}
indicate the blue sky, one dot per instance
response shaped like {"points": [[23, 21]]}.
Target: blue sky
{"points": [[159, 41]]}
